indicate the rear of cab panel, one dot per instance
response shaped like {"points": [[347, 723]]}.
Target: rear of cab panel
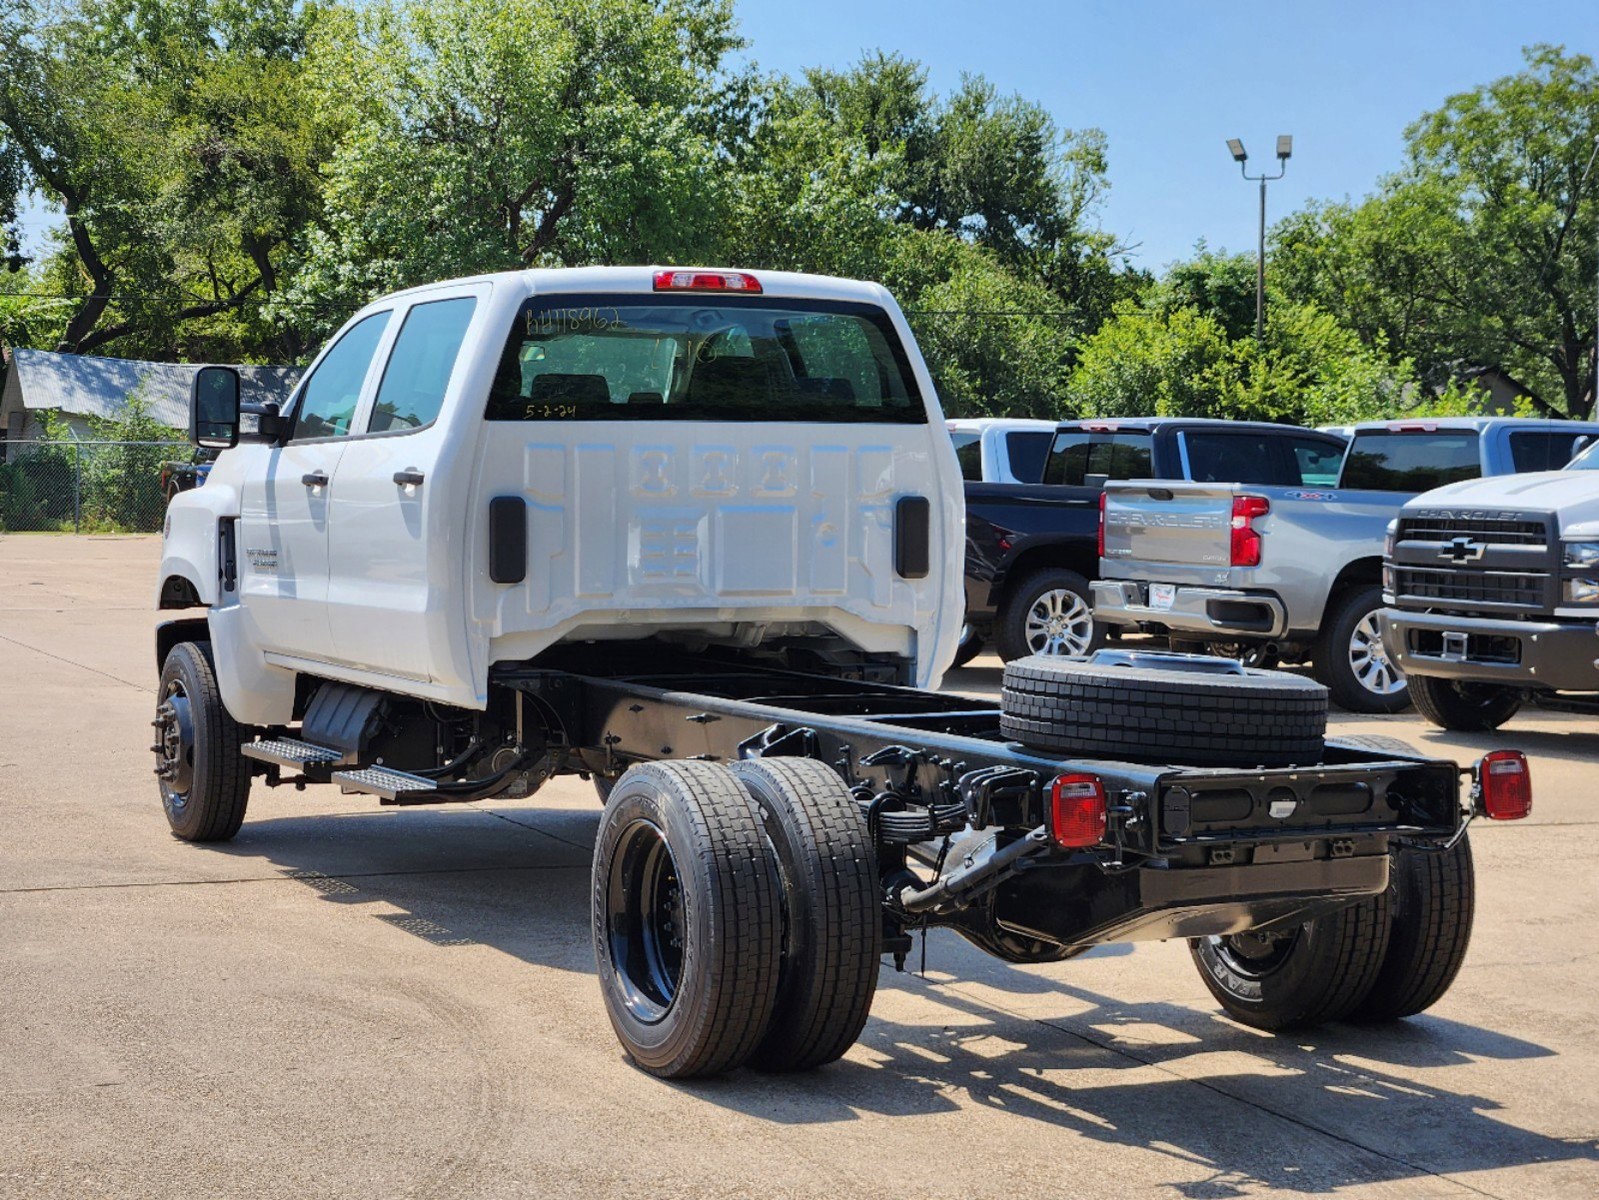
{"points": [[739, 529]]}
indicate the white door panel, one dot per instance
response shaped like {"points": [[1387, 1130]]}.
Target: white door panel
{"points": [[283, 546], [380, 596]]}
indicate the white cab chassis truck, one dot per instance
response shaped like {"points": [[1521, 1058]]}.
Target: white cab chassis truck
{"points": [[696, 534]]}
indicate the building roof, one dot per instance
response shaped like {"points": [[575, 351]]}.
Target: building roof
{"points": [[86, 386]]}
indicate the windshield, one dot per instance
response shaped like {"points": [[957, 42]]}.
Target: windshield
{"points": [[703, 358], [1588, 460]]}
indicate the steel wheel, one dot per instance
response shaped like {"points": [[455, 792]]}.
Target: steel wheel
{"points": [[1251, 957], [645, 919], [1059, 623], [1369, 660], [174, 748]]}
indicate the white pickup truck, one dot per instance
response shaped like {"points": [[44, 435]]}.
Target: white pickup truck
{"points": [[696, 534]]}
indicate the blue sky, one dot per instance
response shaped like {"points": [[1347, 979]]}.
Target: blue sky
{"points": [[1169, 82]]}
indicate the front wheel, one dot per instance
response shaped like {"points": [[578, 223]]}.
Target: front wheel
{"points": [[1351, 661], [204, 780], [1464, 707], [1287, 979], [1049, 612]]}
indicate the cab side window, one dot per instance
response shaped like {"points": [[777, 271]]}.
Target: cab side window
{"points": [[328, 398], [419, 367]]}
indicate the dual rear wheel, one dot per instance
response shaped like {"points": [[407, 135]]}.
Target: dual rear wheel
{"points": [[736, 916], [1389, 956]]}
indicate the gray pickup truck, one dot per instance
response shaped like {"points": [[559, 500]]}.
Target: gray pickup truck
{"points": [[1492, 589], [1293, 573]]}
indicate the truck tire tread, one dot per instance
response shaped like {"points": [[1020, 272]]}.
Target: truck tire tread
{"points": [[1432, 902], [1261, 719], [220, 793], [727, 1004], [833, 925]]}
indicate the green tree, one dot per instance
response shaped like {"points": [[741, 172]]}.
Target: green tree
{"points": [[494, 134], [1480, 253], [1150, 360], [173, 136]]}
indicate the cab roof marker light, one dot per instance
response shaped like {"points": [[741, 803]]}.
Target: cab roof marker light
{"points": [[707, 281]]}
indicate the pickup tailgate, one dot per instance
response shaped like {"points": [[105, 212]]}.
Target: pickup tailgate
{"points": [[1185, 525]]}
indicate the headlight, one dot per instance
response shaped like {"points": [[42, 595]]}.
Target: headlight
{"points": [[1388, 539], [1582, 591], [1582, 554]]}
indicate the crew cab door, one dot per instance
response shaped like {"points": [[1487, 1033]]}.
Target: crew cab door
{"points": [[284, 503], [391, 533]]}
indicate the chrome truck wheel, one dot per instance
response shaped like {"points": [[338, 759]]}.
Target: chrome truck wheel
{"points": [[1350, 659]]}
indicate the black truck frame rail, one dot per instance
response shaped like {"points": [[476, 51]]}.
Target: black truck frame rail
{"points": [[962, 820]]}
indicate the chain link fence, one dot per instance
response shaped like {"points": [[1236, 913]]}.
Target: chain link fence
{"points": [[89, 486]]}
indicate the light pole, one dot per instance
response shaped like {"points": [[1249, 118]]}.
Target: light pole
{"points": [[1285, 148]]}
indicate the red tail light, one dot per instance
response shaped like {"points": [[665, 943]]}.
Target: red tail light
{"points": [[1504, 785], [1246, 541], [706, 281], [1102, 499], [1077, 811]]}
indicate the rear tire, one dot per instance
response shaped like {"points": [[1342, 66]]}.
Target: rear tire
{"points": [[1319, 971], [687, 919], [1048, 612], [832, 926], [204, 780], [1350, 659], [1432, 899], [1464, 707]]}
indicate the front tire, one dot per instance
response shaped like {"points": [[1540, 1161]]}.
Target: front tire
{"points": [[687, 919], [1049, 612], [1464, 707], [1432, 899], [832, 921], [204, 780], [1319, 971], [1350, 658]]}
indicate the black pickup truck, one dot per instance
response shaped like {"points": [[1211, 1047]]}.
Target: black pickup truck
{"points": [[1032, 549]]}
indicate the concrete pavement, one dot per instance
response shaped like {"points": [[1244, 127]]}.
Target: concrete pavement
{"points": [[351, 1001]]}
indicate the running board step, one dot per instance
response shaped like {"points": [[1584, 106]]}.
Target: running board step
{"points": [[383, 781], [286, 752]]}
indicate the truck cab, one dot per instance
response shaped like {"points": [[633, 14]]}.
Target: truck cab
{"points": [[1492, 596], [474, 471]]}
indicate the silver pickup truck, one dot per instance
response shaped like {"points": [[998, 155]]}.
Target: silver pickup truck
{"points": [[1293, 572]]}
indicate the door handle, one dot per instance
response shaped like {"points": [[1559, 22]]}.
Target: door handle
{"points": [[315, 479], [408, 478]]}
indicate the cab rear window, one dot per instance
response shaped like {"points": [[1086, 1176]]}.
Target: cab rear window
{"points": [[1398, 461], [701, 358], [1079, 455]]}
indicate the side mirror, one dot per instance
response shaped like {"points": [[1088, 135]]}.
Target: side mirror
{"points": [[1580, 444], [214, 408]]}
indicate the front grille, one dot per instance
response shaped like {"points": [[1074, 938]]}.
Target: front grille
{"points": [[1492, 533], [1524, 589]]}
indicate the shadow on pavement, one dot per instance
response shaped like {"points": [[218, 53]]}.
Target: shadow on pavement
{"points": [[1331, 1107]]}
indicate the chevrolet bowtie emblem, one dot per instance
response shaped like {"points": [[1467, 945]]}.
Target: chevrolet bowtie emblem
{"points": [[1462, 550]]}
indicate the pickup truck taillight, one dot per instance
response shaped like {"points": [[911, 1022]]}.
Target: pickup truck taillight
{"points": [[1246, 539], [1102, 499]]}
